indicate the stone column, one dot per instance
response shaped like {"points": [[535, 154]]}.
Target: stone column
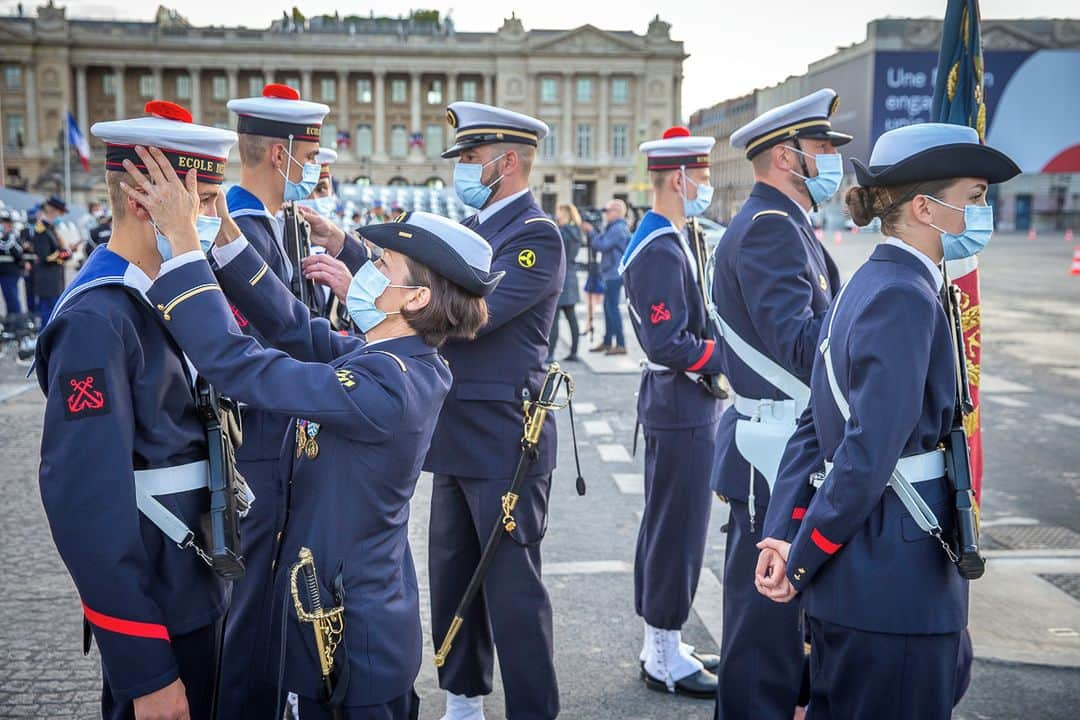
{"points": [[603, 89], [305, 84], [566, 132], [118, 84], [268, 76], [82, 114], [159, 82], [489, 88], [31, 109], [343, 123], [379, 80], [196, 94], [451, 88], [415, 88], [232, 78]]}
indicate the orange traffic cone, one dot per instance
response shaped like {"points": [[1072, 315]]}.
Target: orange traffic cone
{"points": [[1074, 269], [1031, 234], [837, 236], [1069, 235]]}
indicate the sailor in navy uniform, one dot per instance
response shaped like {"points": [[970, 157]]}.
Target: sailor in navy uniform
{"points": [[364, 413], [885, 604], [279, 139], [120, 428], [477, 442], [677, 413], [771, 286], [49, 276]]}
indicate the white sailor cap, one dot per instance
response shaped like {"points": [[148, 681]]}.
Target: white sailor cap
{"points": [[806, 117], [169, 128], [448, 248], [677, 149], [279, 113], [479, 124], [932, 151], [326, 156]]}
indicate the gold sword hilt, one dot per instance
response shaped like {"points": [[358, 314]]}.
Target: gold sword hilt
{"points": [[328, 625], [448, 641]]}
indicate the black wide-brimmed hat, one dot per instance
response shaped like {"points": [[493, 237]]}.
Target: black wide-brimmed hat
{"points": [[56, 202], [933, 151], [448, 248]]}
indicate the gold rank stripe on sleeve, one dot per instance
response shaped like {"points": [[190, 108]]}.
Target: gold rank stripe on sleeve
{"points": [[259, 275], [166, 310], [543, 219], [392, 356], [781, 213]]}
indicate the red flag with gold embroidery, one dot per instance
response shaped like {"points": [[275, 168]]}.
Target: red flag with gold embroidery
{"points": [[964, 274]]}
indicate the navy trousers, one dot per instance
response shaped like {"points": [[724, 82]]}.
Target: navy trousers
{"points": [[613, 325], [45, 307], [761, 655], [406, 707], [9, 284], [248, 674], [858, 674], [512, 614], [674, 525], [197, 656]]}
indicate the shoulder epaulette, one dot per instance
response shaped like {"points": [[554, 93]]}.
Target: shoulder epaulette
{"points": [[392, 356], [39, 227], [781, 213], [542, 219]]}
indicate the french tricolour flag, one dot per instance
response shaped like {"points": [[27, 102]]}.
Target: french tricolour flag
{"points": [[78, 141]]}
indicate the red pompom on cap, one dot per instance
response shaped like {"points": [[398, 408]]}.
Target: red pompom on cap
{"points": [[677, 131], [168, 111], [277, 90]]}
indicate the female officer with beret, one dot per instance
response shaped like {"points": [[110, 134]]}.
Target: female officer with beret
{"points": [[364, 414], [886, 606]]}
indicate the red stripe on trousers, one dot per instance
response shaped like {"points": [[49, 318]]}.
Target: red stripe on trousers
{"points": [[126, 627]]}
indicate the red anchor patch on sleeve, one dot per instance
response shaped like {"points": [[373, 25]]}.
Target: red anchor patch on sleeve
{"points": [[659, 314], [240, 319], [84, 394]]}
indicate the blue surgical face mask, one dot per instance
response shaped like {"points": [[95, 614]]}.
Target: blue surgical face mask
{"points": [[366, 287], [830, 173], [309, 178], [325, 206], [978, 227], [208, 228], [163, 247], [468, 185], [695, 207]]}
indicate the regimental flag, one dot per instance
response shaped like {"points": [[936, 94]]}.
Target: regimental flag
{"points": [[344, 140], [416, 140], [78, 141], [959, 99]]}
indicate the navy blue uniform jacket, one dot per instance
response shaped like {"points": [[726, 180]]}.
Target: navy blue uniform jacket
{"points": [[119, 399], [857, 556], [479, 431], [376, 408], [772, 283]]}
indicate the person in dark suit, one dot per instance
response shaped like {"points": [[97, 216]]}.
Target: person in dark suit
{"points": [[570, 228], [886, 606], [11, 261], [477, 441], [49, 274]]}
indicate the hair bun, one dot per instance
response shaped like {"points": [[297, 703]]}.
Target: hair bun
{"points": [[860, 205]]}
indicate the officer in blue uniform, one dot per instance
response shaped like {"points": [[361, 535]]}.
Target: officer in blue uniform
{"points": [[772, 284], [279, 139], [121, 427], [49, 275], [478, 439], [365, 412], [677, 413], [885, 604]]}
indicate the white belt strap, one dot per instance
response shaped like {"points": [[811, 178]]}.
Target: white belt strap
{"points": [[925, 466], [167, 481], [766, 409], [656, 367]]}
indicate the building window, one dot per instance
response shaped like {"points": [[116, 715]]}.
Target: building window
{"points": [[619, 144], [468, 90], [255, 86], [220, 87], [549, 179], [293, 82], [434, 93], [549, 90], [620, 90], [584, 90], [620, 179], [13, 77], [363, 90], [329, 135], [399, 141], [364, 141], [398, 91], [328, 87], [108, 84], [549, 146], [14, 125], [147, 87], [433, 140], [183, 87], [584, 141]]}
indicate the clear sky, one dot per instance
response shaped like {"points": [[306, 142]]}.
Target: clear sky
{"points": [[734, 47]]}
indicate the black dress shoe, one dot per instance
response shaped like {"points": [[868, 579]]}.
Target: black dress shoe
{"points": [[701, 684], [710, 661], [572, 357]]}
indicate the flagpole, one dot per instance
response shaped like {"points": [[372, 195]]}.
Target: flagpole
{"points": [[3, 148], [67, 155]]}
